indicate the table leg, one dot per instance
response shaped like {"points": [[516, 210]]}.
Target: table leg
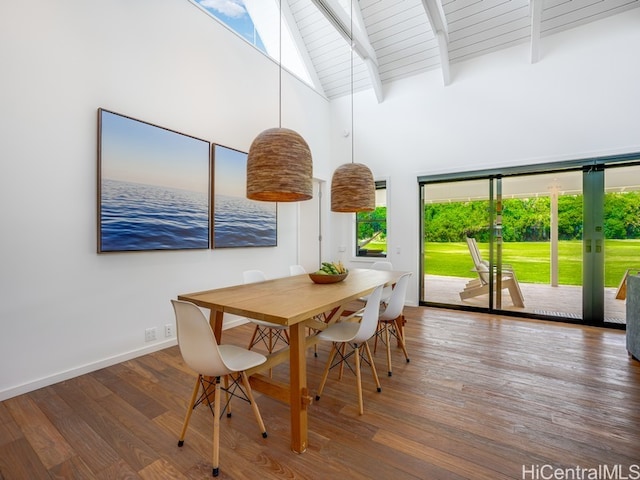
{"points": [[215, 320], [300, 398]]}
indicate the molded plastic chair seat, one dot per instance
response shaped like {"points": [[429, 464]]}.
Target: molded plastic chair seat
{"points": [[340, 332], [201, 352], [239, 359], [354, 335], [266, 324]]}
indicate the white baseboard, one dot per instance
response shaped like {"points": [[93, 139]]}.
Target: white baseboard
{"points": [[81, 370], [230, 321]]}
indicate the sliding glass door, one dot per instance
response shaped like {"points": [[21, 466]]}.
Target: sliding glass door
{"points": [[622, 237], [525, 230], [541, 242], [453, 212], [555, 244]]}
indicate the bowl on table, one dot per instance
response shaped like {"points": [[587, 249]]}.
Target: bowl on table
{"points": [[319, 278]]}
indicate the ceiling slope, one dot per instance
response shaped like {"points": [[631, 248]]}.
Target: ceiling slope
{"points": [[394, 39]]}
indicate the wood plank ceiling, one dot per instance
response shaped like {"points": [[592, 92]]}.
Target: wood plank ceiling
{"points": [[394, 39]]}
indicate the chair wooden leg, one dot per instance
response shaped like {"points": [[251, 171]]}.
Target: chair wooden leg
{"points": [[216, 430], [253, 337], [227, 397], [270, 347], [254, 405], [270, 333], [187, 417], [375, 340], [358, 380], [515, 292], [388, 340], [400, 322], [373, 367], [325, 374], [343, 349], [310, 332], [400, 334]]}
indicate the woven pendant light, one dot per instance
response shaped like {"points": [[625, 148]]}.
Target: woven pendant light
{"points": [[352, 187], [279, 167]]}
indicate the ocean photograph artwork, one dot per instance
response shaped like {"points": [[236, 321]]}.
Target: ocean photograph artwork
{"points": [[154, 187], [238, 221]]}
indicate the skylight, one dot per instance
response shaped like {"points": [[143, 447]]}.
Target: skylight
{"points": [[257, 21]]}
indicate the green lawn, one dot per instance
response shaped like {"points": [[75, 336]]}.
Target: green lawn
{"points": [[530, 260]]}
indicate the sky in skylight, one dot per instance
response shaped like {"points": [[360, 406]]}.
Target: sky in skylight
{"points": [[234, 14], [263, 17]]}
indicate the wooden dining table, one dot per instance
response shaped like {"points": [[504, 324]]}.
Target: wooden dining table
{"points": [[296, 302]]}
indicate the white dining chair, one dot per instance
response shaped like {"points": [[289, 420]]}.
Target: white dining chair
{"points": [[201, 352], [266, 332], [354, 335], [386, 292], [296, 270], [389, 319]]}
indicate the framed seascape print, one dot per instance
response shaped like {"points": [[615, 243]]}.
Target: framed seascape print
{"points": [[153, 187], [238, 221]]}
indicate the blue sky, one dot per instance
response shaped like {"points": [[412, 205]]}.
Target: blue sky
{"points": [[233, 13], [231, 172], [134, 151]]}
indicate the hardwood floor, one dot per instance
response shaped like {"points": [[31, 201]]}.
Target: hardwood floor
{"points": [[482, 396]]}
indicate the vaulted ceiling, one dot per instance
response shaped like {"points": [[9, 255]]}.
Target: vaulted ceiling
{"points": [[393, 39]]}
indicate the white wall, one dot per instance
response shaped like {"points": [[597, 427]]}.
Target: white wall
{"points": [[582, 99], [64, 309]]}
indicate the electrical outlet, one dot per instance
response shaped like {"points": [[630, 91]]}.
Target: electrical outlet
{"points": [[169, 330], [150, 334]]}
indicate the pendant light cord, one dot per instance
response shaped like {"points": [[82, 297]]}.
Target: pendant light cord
{"points": [[280, 68], [351, 47]]}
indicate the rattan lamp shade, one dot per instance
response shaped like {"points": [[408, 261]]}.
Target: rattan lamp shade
{"points": [[353, 189], [279, 167]]}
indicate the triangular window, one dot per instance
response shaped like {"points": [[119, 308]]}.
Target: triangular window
{"points": [[258, 23]]}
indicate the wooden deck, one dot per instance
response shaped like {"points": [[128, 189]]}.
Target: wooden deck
{"points": [[561, 301], [483, 397]]}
